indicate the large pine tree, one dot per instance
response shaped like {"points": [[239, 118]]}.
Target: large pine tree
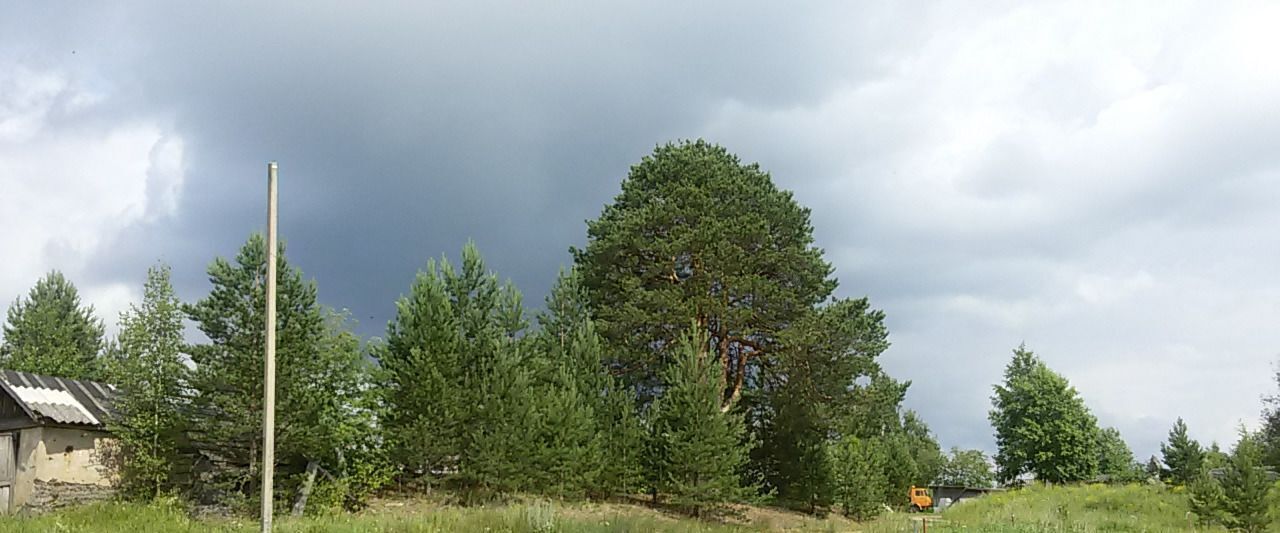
{"points": [[320, 376], [147, 368], [50, 332], [697, 233]]}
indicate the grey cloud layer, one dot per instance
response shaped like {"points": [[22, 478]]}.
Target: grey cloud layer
{"points": [[1097, 184]]}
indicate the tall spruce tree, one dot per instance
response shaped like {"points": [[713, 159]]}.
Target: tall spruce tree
{"points": [[697, 451], [456, 382], [320, 376], [605, 455], [49, 332], [421, 378], [697, 233], [1246, 486], [147, 369], [859, 477], [1182, 455], [1042, 425], [812, 393]]}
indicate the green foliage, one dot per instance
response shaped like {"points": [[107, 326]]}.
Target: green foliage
{"points": [[1239, 494], [599, 442], [697, 234], [696, 452], [51, 333], [1269, 435], [1183, 457], [421, 377], [966, 468], [1042, 425], [811, 393], [147, 369], [926, 456], [860, 480], [321, 377], [473, 403], [1246, 486], [1206, 499], [1115, 460], [1214, 457]]}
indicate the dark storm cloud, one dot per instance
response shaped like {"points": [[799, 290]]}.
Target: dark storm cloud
{"points": [[1098, 184], [402, 134]]}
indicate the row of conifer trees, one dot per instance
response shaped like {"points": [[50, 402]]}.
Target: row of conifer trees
{"points": [[694, 355]]}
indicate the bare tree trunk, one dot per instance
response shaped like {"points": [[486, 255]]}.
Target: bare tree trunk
{"points": [[301, 504]]}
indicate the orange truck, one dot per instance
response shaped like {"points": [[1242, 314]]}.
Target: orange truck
{"points": [[920, 499]]}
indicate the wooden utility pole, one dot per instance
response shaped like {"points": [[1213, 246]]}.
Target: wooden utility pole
{"points": [[269, 380]]}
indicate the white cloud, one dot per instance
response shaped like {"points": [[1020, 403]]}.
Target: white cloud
{"points": [[1087, 178], [69, 182]]}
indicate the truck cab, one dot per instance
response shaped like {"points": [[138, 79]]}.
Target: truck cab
{"points": [[920, 499]]}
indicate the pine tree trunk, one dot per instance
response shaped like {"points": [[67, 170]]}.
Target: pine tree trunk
{"points": [[301, 504]]}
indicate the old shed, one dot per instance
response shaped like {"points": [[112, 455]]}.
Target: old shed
{"points": [[55, 449]]}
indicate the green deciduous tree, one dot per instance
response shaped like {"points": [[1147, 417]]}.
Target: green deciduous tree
{"points": [[1182, 455], [926, 455], [966, 468], [697, 451], [696, 233], [1042, 425], [321, 376], [49, 332], [147, 369], [1115, 460]]}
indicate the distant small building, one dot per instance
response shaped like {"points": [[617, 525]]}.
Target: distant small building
{"points": [[956, 493], [55, 449]]}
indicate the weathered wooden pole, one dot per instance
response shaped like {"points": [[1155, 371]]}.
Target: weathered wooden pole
{"points": [[269, 379]]}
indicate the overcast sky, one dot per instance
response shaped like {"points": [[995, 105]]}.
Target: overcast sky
{"points": [[1101, 181]]}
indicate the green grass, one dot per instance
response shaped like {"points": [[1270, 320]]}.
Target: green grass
{"points": [[416, 517], [1085, 509]]}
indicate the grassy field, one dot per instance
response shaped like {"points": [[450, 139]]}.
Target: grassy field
{"points": [[1085, 508], [1092, 508], [417, 516]]}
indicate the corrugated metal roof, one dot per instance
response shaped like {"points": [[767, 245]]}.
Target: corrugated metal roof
{"points": [[60, 400]]}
